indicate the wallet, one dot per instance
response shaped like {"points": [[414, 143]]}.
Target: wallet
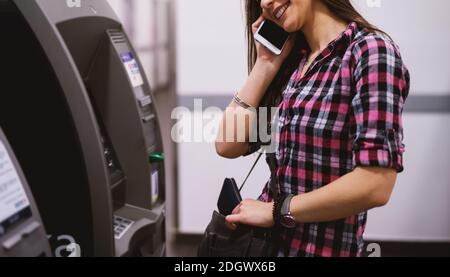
{"points": [[229, 197]]}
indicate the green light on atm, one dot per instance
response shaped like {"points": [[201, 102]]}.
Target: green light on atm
{"points": [[156, 157]]}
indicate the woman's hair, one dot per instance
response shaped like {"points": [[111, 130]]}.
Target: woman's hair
{"points": [[343, 9]]}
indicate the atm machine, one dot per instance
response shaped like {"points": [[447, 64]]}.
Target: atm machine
{"points": [[91, 147], [21, 230]]}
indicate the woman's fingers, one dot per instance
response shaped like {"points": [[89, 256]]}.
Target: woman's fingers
{"points": [[237, 209], [257, 23], [231, 226], [234, 219]]}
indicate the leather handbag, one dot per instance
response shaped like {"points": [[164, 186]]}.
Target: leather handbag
{"points": [[245, 241]]}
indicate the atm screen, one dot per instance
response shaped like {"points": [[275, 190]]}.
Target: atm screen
{"points": [[14, 203]]}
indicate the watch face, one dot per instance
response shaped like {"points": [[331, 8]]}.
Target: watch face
{"points": [[288, 221]]}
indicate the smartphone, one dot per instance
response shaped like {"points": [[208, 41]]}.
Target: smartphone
{"points": [[272, 36]]}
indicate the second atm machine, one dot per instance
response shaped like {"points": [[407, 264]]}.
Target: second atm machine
{"points": [[21, 230], [80, 117]]}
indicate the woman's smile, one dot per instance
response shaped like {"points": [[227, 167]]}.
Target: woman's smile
{"points": [[280, 11]]}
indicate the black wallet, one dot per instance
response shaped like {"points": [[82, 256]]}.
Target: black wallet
{"points": [[229, 197]]}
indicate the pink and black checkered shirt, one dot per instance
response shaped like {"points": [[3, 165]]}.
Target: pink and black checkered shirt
{"points": [[344, 113]]}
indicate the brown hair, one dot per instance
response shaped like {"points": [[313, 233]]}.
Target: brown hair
{"points": [[343, 9]]}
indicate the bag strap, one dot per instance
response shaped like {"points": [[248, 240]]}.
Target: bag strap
{"points": [[271, 160], [251, 170], [274, 187]]}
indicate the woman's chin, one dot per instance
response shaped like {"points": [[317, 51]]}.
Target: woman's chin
{"points": [[290, 26]]}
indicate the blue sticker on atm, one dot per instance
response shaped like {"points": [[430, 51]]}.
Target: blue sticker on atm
{"points": [[132, 68], [127, 57]]}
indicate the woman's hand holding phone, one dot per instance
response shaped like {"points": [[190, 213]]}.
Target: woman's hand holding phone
{"points": [[265, 70], [264, 55]]}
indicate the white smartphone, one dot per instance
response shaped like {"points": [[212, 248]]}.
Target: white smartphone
{"points": [[272, 36]]}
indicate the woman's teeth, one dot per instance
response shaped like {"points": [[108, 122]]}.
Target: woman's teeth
{"points": [[281, 11]]}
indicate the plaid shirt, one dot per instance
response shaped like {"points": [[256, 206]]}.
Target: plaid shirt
{"points": [[346, 112]]}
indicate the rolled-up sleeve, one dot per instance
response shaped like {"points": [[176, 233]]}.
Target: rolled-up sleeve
{"points": [[381, 83]]}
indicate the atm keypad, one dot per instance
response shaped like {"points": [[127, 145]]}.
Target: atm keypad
{"points": [[121, 226]]}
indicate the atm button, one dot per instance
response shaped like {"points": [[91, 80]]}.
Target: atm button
{"points": [[145, 101], [12, 242], [147, 119], [156, 157]]}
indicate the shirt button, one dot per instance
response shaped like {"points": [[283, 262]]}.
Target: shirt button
{"points": [[288, 118]]}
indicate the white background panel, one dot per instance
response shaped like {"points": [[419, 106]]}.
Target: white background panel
{"points": [[211, 47], [420, 204]]}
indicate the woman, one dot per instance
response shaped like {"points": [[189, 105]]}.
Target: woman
{"points": [[340, 85]]}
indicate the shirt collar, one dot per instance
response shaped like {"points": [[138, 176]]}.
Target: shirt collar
{"points": [[344, 39]]}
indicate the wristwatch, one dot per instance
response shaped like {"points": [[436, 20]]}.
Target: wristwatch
{"points": [[286, 218]]}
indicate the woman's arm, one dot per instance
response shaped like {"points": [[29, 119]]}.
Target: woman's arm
{"points": [[363, 189], [233, 137], [358, 191]]}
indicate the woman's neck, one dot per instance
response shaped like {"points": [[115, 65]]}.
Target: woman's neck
{"points": [[322, 28]]}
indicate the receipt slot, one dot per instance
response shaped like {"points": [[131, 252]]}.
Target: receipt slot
{"points": [[22, 233], [92, 147]]}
